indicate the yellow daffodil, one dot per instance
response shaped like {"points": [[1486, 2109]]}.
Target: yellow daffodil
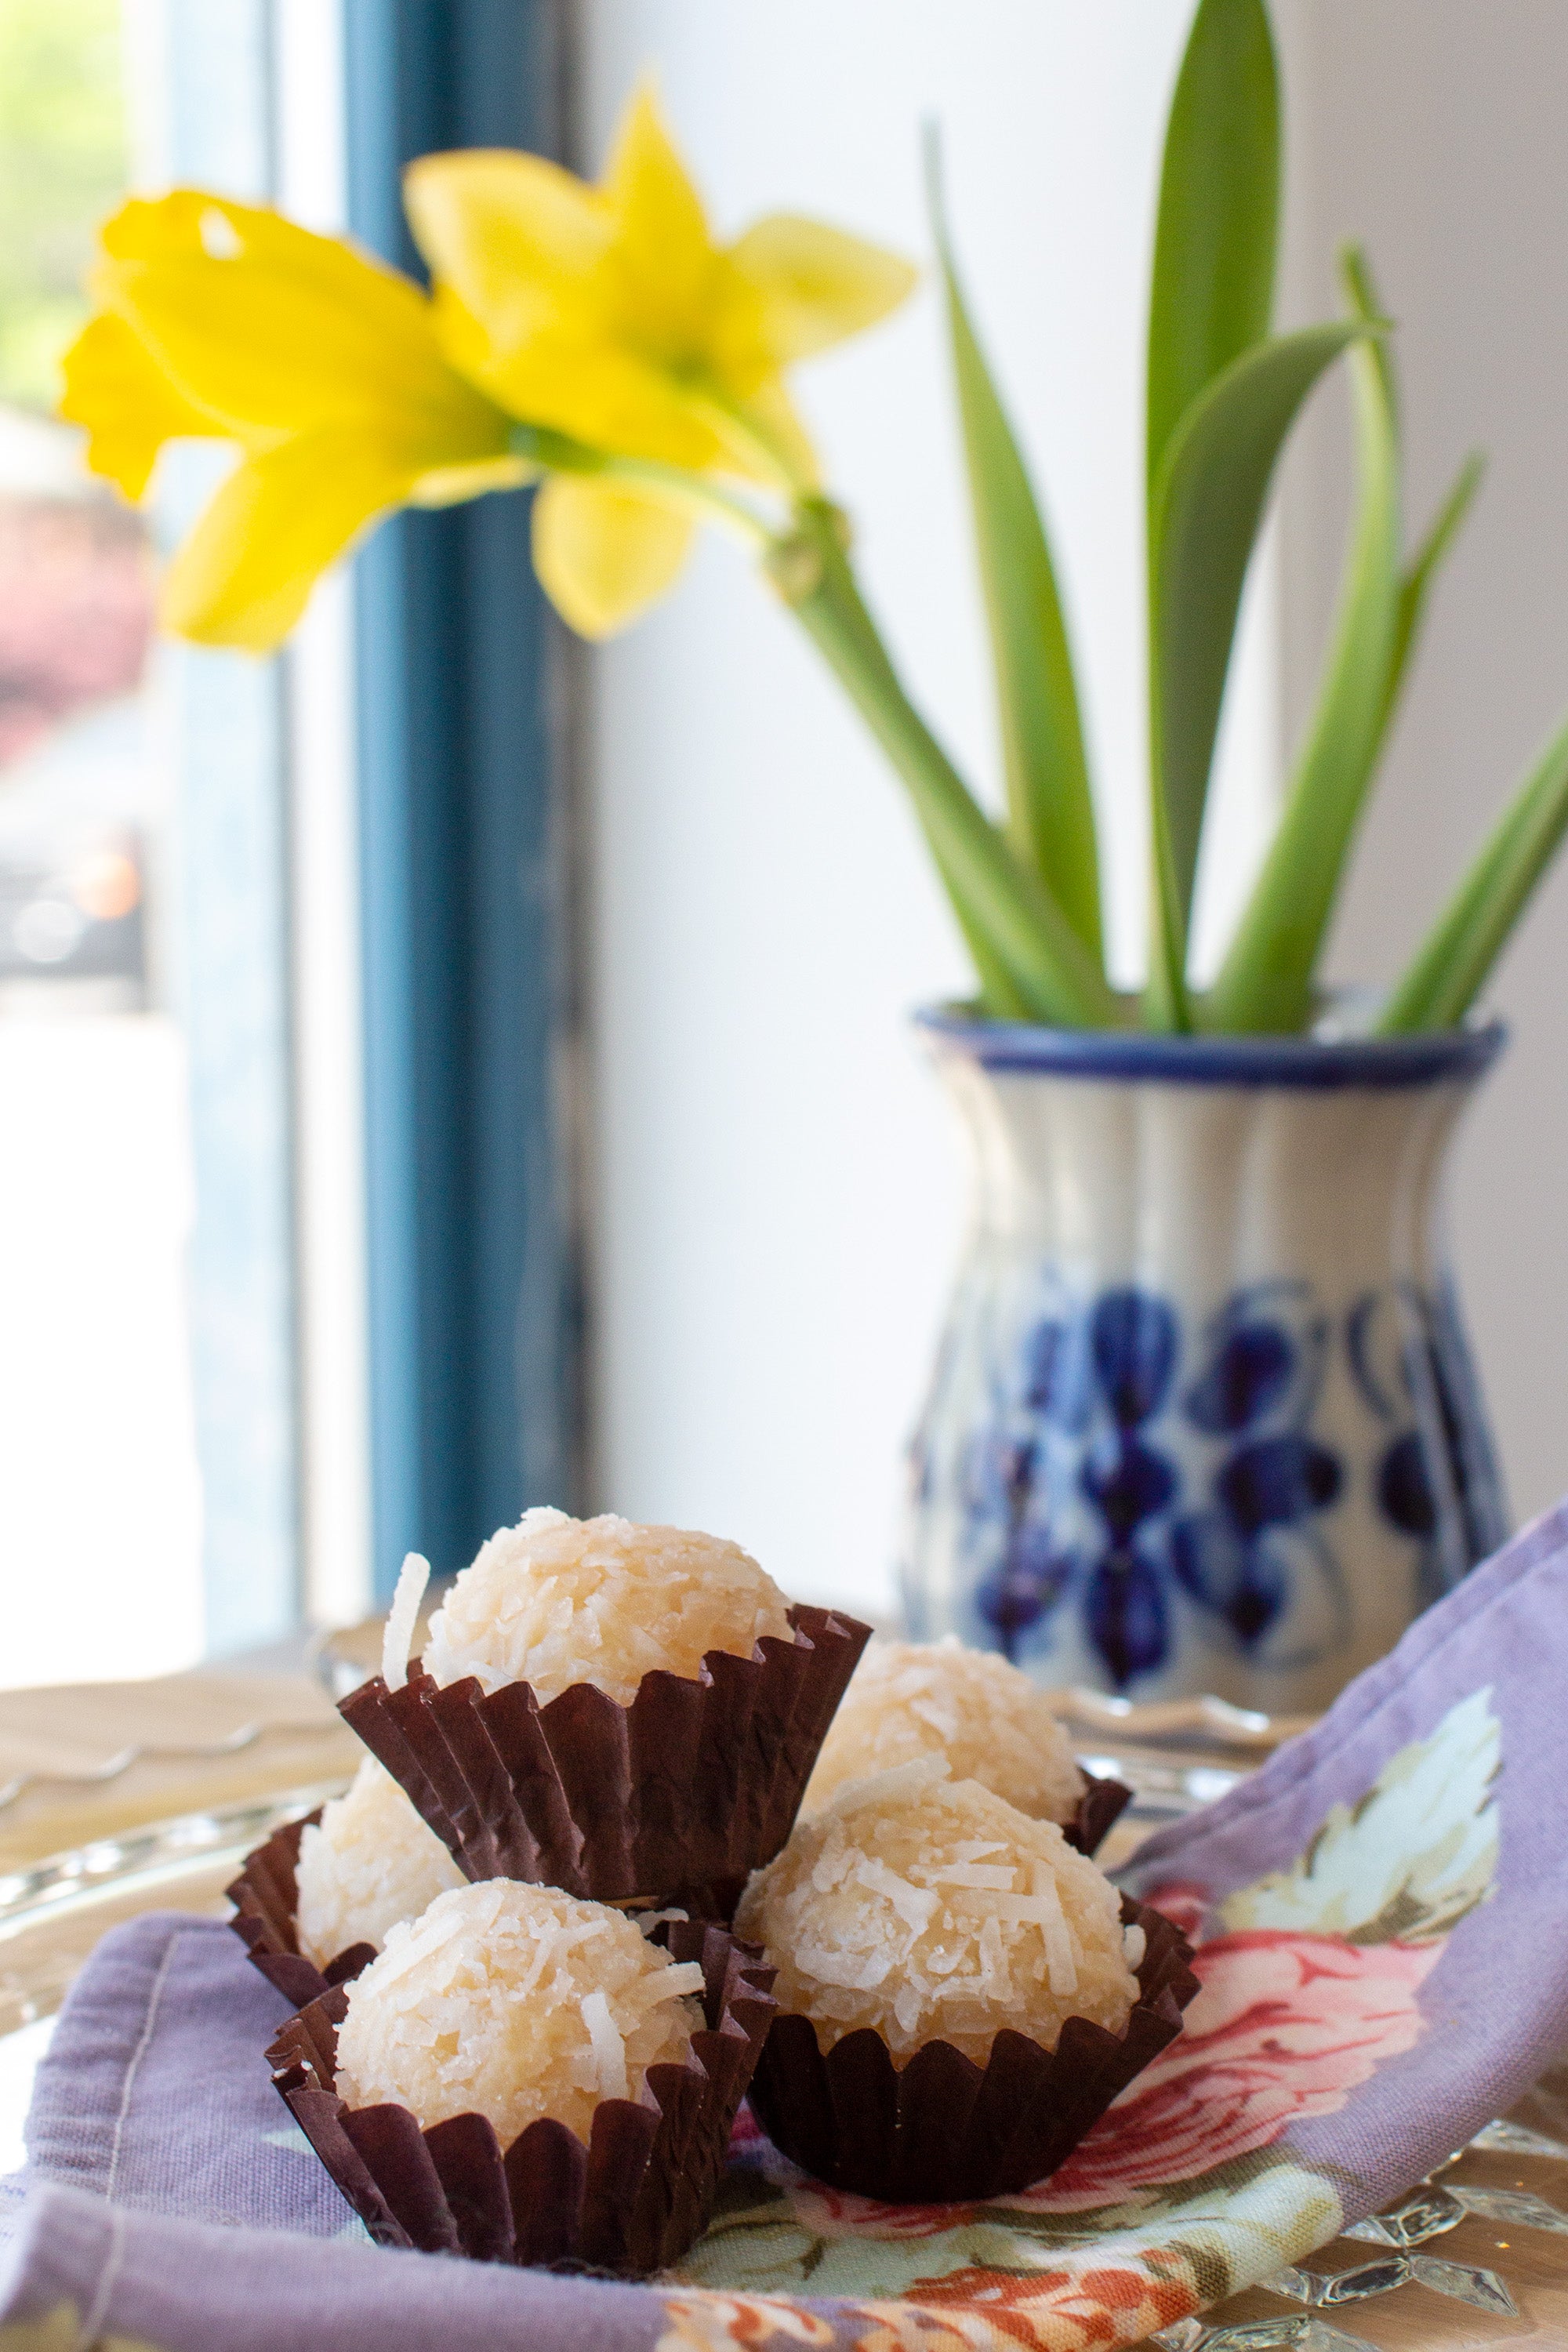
{"points": [[597, 338], [226, 321], [609, 313], [595, 333]]}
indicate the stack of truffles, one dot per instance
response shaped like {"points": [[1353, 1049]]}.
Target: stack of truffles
{"points": [[564, 1919]]}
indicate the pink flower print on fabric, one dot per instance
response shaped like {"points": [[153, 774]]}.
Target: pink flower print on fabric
{"points": [[1285, 2025], [827, 2212]]}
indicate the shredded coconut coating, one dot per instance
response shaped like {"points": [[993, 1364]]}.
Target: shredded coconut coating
{"points": [[929, 1909], [514, 2003], [554, 1602], [938, 1698], [367, 1864]]}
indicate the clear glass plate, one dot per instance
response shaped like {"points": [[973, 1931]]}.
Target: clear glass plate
{"points": [[53, 1912]]}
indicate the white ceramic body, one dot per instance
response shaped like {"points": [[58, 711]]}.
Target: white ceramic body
{"points": [[1203, 1417]]}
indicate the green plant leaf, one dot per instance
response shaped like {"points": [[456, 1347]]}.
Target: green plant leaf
{"points": [[1208, 504], [1031, 961], [1450, 968], [1050, 809], [1213, 287], [1266, 980], [1423, 569], [998, 998]]}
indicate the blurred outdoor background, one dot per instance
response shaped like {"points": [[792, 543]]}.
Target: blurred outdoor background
{"points": [[100, 1497]]}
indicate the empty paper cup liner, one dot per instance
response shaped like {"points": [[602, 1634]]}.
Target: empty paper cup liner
{"points": [[631, 2201], [266, 1902], [1104, 1802], [676, 1799], [943, 2130]]}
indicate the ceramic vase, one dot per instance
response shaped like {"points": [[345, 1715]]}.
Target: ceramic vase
{"points": [[1203, 1417]]}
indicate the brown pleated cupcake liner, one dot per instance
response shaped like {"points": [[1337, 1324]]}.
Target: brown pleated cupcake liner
{"points": [[630, 2202], [1102, 1803], [943, 2130], [266, 1898], [673, 1800]]}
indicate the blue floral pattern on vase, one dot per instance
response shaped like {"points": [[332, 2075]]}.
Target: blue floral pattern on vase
{"points": [[1244, 1555], [1130, 1471], [1068, 1453], [1436, 1479]]}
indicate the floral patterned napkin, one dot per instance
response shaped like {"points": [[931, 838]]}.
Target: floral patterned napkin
{"points": [[1379, 1915]]}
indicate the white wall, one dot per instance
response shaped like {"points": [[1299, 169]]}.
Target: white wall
{"points": [[781, 1196], [1432, 128]]}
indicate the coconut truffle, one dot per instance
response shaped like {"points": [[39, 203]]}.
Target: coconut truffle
{"points": [[367, 1864], [973, 1706], [929, 1909], [556, 1601], [514, 2001]]}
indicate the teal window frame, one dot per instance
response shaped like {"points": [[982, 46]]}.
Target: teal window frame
{"points": [[472, 1255]]}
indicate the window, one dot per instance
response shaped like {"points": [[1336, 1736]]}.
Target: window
{"points": [[287, 1251]]}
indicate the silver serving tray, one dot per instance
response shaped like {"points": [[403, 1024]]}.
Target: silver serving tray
{"points": [[53, 1912]]}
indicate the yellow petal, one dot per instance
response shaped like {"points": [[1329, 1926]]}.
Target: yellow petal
{"points": [[525, 306], [151, 227], [450, 485], [515, 238], [781, 419], [116, 389], [192, 225], [817, 284], [274, 329], [663, 267], [611, 315], [609, 397], [247, 571], [604, 554], [766, 440]]}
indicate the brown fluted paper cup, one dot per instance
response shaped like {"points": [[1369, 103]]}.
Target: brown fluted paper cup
{"points": [[1101, 1805], [630, 2202], [675, 1799], [942, 2130], [266, 1898]]}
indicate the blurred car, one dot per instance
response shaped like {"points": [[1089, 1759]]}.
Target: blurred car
{"points": [[76, 621], [77, 915]]}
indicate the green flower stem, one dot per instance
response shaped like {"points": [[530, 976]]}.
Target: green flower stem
{"points": [[1031, 962], [557, 453], [1030, 959]]}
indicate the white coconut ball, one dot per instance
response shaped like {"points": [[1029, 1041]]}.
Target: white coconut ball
{"points": [[973, 1706], [930, 1910], [556, 1601], [369, 1862], [514, 2003]]}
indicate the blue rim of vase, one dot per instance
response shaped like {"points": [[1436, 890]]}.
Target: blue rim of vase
{"points": [[1317, 1064]]}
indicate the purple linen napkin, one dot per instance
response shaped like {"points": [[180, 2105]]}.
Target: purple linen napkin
{"points": [[155, 2095], [1421, 1827], [169, 2197], [198, 2286], [1380, 1916]]}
